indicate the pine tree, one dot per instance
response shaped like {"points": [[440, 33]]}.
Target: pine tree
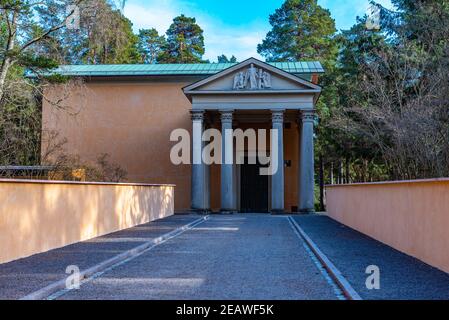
{"points": [[107, 35], [150, 45], [301, 30], [104, 35], [224, 59], [185, 42]]}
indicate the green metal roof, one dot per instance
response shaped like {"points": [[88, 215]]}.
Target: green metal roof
{"points": [[101, 70]]}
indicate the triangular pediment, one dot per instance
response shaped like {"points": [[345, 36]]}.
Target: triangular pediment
{"points": [[252, 76]]}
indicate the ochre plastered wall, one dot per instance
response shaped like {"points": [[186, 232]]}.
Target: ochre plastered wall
{"points": [[410, 216], [130, 121], [36, 216]]}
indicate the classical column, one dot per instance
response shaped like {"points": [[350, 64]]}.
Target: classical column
{"points": [[227, 154], [306, 163], [277, 156], [198, 166], [207, 204]]}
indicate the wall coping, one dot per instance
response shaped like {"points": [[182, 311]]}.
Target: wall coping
{"points": [[388, 182], [119, 184]]}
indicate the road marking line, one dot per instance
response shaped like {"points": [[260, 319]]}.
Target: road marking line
{"points": [[339, 279], [58, 288]]}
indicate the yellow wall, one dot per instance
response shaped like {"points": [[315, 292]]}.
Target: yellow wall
{"points": [[132, 122], [36, 216], [410, 216]]}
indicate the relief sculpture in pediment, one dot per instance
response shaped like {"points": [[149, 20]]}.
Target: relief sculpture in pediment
{"points": [[252, 79]]}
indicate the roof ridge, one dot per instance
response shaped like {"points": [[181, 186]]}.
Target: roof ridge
{"points": [[173, 69], [178, 64]]}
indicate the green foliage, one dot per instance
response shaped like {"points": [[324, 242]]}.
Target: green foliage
{"points": [[185, 42], [108, 37], [383, 112], [150, 45], [40, 42], [301, 30], [356, 47], [383, 91], [105, 34], [31, 61], [224, 59], [392, 91]]}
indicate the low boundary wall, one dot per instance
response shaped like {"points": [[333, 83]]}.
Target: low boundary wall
{"points": [[410, 216], [36, 216]]}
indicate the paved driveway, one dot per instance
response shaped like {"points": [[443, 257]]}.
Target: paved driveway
{"points": [[226, 257], [248, 257], [401, 276], [24, 276]]}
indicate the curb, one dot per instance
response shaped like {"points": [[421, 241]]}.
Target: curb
{"points": [[86, 274], [336, 275]]}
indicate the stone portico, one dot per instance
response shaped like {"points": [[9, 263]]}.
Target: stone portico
{"points": [[252, 94]]}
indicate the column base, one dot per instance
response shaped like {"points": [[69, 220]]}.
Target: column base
{"points": [[277, 212], [227, 211], [200, 211], [306, 211]]}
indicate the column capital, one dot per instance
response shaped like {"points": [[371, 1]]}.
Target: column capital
{"points": [[197, 115], [277, 116], [226, 116], [307, 115]]}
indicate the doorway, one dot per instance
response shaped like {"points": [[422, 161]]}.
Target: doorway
{"points": [[254, 188]]}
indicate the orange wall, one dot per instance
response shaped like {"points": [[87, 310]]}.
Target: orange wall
{"points": [[410, 216], [132, 122], [36, 216]]}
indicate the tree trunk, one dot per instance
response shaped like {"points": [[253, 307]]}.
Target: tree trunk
{"points": [[347, 172], [340, 172], [3, 73], [8, 62], [331, 174], [321, 184], [365, 170]]}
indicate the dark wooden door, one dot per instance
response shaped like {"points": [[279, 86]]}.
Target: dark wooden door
{"points": [[253, 188]]}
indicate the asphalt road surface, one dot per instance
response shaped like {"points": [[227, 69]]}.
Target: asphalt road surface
{"points": [[225, 257], [402, 277], [228, 257]]}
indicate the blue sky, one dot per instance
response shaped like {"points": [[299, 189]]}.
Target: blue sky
{"points": [[232, 27]]}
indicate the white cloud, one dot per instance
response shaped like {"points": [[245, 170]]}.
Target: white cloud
{"points": [[239, 41], [219, 38], [157, 16]]}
